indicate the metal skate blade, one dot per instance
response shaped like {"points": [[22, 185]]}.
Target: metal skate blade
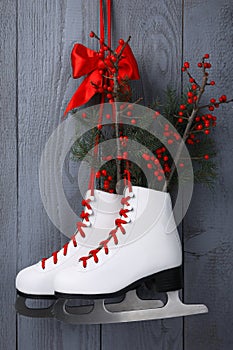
{"points": [[23, 309], [101, 314], [130, 302]]}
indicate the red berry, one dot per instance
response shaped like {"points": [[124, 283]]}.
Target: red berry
{"points": [[108, 116], [195, 98], [212, 100], [223, 98], [146, 156], [91, 34], [194, 87], [183, 69], [149, 166], [183, 107], [99, 126], [197, 119], [103, 172], [190, 94], [113, 58], [180, 120], [121, 42], [186, 64], [129, 113], [109, 178], [170, 141], [206, 56], [181, 165], [190, 101], [156, 173], [180, 113], [206, 156], [207, 131], [216, 105], [165, 158], [199, 64], [199, 127], [133, 121], [160, 178], [106, 185], [211, 108], [109, 96], [212, 83], [191, 80], [97, 175]]}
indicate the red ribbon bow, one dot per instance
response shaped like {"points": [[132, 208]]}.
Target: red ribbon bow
{"points": [[88, 62]]}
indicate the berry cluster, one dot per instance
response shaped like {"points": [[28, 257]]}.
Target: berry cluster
{"points": [[108, 69], [159, 163], [106, 178]]}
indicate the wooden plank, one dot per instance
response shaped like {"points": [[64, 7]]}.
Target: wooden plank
{"points": [[8, 173], [156, 30], [47, 32], [208, 226]]}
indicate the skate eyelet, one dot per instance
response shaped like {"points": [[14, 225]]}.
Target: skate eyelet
{"points": [[87, 223], [129, 207], [89, 211], [131, 194]]}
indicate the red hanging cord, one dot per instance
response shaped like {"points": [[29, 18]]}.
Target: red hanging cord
{"points": [[101, 21], [96, 147], [109, 4]]}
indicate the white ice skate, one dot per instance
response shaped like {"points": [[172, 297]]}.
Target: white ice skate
{"points": [[139, 249], [37, 281]]}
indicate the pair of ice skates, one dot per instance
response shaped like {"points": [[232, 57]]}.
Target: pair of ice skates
{"points": [[132, 244]]}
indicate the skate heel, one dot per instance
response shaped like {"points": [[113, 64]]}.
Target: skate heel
{"points": [[169, 280]]}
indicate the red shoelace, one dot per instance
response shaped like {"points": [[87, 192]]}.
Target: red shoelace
{"points": [[112, 235], [85, 216]]}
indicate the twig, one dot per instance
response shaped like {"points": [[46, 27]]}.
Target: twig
{"points": [[187, 129]]}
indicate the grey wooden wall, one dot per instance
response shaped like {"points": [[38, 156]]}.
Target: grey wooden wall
{"points": [[36, 39]]}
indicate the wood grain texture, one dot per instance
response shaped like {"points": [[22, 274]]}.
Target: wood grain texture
{"points": [[8, 173], [36, 85], [156, 30], [47, 31], [208, 225]]}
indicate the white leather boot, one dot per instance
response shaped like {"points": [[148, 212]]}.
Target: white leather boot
{"points": [[140, 248], [37, 281]]}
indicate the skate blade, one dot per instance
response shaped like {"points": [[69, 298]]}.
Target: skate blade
{"points": [[100, 312], [24, 310], [130, 302]]}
